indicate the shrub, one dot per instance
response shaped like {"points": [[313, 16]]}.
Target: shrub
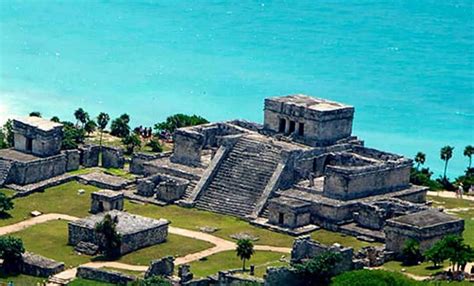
{"points": [[131, 141], [319, 269], [179, 120], [155, 146], [6, 203], [152, 281], [119, 126], [11, 249], [411, 252]]}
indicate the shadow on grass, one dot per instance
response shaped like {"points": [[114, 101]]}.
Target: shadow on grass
{"points": [[5, 215]]}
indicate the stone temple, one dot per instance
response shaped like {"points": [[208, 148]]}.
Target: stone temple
{"points": [[301, 170]]}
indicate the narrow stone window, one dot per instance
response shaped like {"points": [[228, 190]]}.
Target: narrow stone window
{"points": [[282, 126], [292, 127], [301, 129], [29, 144], [281, 218]]}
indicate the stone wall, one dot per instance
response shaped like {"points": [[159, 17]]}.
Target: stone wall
{"points": [[306, 248], [23, 173], [38, 136], [282, 276], [112, 157], [228, 278], [161, 267], [187, 147], [37, 265], [136, 165], [102, 275], [166, 188], [73, 160], [89, 155], [134, 241]]}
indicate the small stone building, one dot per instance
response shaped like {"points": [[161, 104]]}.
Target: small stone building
{"points": [[37, 136], [136, 231], [426, 227], [289, 212], [106, 200], [312, 121]]}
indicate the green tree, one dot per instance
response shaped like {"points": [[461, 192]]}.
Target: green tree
{"points": [[446, 154], [72, 136], [319, 269], [457, 251], [131, 141], [35, 114], [11, 249], [55, 119], [437, 253], [102, 121], [420, 159], [90, 126], [244, 250], [119, 126], [8, 129], [6, 203], [3, 139], [155, 146], [81, 116], [179, 120], [109, 237], [411, 253], [468, 152]]}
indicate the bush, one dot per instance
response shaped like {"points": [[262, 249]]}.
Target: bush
{"points": [[411, 252], [155, 146], [179, 120], [152, 281], [423, 178], [372, 278], [11, 249], [446, 184], [6, 203], [131, 141], [119, 126], [319, 269]]}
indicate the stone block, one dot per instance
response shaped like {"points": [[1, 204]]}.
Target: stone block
{"points": [[161, 267], [37, 265], [112, 157], [106, 276]]}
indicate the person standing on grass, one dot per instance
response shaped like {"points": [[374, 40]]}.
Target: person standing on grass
{"points": [[459, 191]]}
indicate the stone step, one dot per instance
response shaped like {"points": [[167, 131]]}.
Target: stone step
{"points": [[5, 167]]}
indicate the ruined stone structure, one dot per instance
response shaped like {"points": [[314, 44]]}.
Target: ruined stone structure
{"points": [[136, 231], [301, 170], [103, 275], [37, 136], [426, 227], [106, 200], [37, 265], [36, 155], [112, 157]]}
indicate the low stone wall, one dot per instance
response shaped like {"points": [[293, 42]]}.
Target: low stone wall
{"points": [[197, 282], [112, 157], [136, 164], [73, 158], [89, 155], [148, 237], [106, 276], [37, 265], [23, 173], [282, 276], [229, 278]]}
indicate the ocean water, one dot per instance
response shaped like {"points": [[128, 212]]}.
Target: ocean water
{"points": [[407, 66]]}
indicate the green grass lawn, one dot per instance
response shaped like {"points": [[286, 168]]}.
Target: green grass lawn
{"points": [[50, 240], [423, 269], [124, 271], [82, 171], [62, 199], [329, 237], [119, 173], [228, 260], [20, 279], [193, 219], [175, 245]]}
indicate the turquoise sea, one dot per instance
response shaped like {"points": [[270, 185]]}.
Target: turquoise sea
{"points": [[407, 66]]}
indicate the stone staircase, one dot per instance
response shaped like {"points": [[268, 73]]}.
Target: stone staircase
{"points": [[5, 167], [241, 178]]}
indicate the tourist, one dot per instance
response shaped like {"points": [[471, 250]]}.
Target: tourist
{"points": [[459, 191]]}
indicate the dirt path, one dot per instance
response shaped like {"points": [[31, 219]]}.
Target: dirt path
{"points": [[220, 245], [452, 195]]}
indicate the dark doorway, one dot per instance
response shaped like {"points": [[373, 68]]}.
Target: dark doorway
{"points": [[101, 207], [301, 129], [292, 127], [282, 126], [29, 144], [281, 218]]}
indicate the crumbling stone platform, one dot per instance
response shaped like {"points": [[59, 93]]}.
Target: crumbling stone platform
{"points": [[104, 181]]}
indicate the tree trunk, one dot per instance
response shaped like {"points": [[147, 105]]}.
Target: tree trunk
{"points": [[243, 265], [445, 168]]}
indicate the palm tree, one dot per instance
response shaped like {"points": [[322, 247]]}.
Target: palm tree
{"points": [[102, 121], [468, 152], [446, 153], [244, 250], [420, 159], [81, 116]]}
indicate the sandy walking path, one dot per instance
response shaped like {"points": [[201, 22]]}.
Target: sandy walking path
{"points": [[33, 221], [451, 195]]}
